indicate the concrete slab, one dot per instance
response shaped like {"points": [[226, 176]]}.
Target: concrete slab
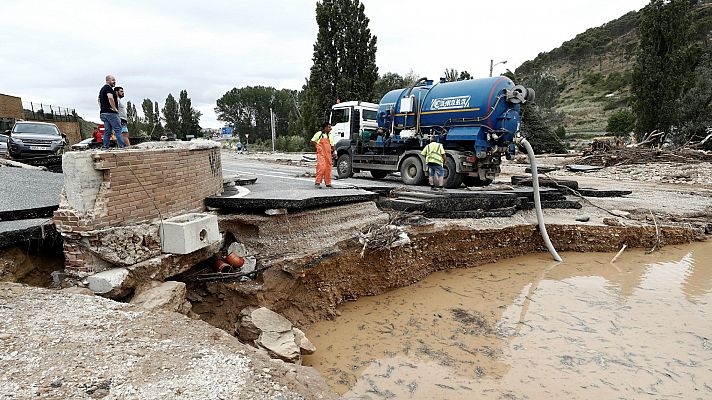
{"points": [[295, 199], [24, 189], [13, 232]]}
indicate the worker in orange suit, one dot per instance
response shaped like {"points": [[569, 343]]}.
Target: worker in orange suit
{"points": [[324, 143]]}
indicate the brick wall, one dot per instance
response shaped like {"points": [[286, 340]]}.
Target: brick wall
{"points": [[108, 189], [71, 129], [10, 106]]}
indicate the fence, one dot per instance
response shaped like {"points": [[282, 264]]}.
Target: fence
{"points": [[47, 112]]}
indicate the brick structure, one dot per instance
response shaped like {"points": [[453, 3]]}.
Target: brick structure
{"points": [[71, 129], [10, 111], [113, 201]]}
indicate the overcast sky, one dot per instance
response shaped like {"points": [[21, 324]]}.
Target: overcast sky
{"points": [[58, 52]]}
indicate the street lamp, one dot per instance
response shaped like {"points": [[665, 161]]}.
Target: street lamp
{"points": [[492, 65]]}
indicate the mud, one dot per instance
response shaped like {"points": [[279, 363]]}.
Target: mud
{"points": [[530, 328], [308, 289]]}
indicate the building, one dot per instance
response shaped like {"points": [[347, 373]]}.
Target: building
{"points": [[66, 119]]}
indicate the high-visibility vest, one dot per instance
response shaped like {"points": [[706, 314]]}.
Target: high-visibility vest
{"points": [[433, 153], [321, 134]]}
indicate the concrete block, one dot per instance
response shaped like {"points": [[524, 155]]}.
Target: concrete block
{"points": [[81, 181], [109, 283], [187, 233]]}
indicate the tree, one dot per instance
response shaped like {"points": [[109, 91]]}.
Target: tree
{"points": [[247, 109], [465, 76], [171, 114], [344, 59], [187, 114], [538, 133], [385, 83], [133, 122], [665, 62], [696, 108], [621, 123], [450, 75], [546, 87]]}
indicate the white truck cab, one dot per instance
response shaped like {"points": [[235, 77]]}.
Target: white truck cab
{"points": [[352, 117]]}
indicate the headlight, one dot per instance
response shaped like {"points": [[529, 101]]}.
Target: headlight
{"points": [[58, 141]]}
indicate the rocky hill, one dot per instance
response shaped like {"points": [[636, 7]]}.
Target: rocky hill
{"points": [[589, 77]]}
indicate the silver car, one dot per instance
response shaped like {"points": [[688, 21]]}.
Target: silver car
{"points": [[30, 139], [3, 145]]}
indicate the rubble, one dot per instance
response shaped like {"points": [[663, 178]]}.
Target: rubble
{"points": [[163, 296], [266, 329]]}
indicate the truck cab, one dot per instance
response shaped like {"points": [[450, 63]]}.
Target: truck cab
{"points": [[352, 117]]}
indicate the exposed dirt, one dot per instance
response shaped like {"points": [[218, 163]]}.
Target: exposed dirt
{"points": [[314, 286]]}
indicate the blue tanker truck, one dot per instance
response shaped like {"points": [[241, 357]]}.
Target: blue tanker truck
{"points": [[475, 120]]}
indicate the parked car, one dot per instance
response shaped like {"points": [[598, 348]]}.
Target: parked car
{"points": [[31, 139], [3, 145]]}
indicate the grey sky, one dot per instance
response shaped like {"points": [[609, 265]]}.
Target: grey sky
{"points": [[59, 52]]}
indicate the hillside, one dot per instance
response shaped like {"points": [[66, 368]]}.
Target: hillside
{"points": [[588, 78]]}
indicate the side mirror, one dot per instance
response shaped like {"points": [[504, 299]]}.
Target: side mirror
{"points": [[8, 132]]}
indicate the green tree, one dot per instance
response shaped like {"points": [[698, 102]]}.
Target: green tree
{"points": [[133, 122], [387, 82], [621, 123], [172, 115], [696, 108], [248, 110], [465, 76], [665, 62], [185, 108], [451, 75], [344, 59], [546, 87], [538, 132]]}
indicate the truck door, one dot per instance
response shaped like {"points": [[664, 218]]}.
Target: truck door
{"points": [[341, 123]]}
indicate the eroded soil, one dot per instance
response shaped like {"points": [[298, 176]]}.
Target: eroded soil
{"points": [[531, 328]]}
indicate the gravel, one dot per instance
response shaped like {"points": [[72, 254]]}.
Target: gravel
{"points": [[61, 346]]}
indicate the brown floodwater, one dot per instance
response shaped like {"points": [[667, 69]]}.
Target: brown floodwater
{"points": [[529, 328]]}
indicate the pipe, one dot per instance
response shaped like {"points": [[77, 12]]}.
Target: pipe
{"points": [[537, 201]]}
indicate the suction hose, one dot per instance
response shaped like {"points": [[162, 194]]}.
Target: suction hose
{"points": [[537, 201]]}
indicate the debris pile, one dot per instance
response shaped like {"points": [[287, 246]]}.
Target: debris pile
{"points": [[638, 155], [265, 329]]}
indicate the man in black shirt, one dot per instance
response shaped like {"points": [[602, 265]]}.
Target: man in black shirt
{"points": [[109, 113]]}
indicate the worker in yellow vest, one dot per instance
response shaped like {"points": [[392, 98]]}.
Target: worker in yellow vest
{"points": [[323, 141], [435, 156]]}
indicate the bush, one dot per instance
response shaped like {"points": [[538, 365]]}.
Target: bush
{"points": [[621, 123], [560, 132], [292, 143]]}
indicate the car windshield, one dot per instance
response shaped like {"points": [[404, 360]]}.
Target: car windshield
{"points": [[35, 128], [369, 115]]}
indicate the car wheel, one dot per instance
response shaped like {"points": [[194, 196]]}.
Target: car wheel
{"points": [[343, 166], [412, 171], [452, 179]]}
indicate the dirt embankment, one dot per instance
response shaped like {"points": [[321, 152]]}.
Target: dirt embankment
{"points": [[313, 286]]}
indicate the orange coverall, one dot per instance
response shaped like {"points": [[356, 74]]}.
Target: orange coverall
{"points": [[323, 160]]}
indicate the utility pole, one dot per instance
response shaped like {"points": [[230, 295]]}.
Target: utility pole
{"points": [[274, 135], [492, 65]]}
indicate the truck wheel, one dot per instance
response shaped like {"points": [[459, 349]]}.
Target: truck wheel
{"points": [[476, 181], [452, 179], [378, 174], [412, 171], [343, 167]]}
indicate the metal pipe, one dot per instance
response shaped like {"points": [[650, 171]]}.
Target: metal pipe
{"points": [[537, 201]]}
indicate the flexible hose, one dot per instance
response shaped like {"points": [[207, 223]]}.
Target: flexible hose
{"points": [[537, 200]]}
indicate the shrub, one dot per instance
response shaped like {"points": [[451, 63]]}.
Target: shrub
{"points": [[621, 122]]}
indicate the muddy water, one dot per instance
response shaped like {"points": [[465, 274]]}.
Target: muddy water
{"points": [[527, 328]]}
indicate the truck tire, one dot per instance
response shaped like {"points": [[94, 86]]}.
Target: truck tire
{"points": [[412, 171], [476, 181], [452, 179], [343, 167], [378, 174]]}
